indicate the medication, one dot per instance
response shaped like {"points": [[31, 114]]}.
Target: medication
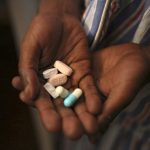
{"points": [[49, 73], [62, 92], [51, 90], [72, 98], [63, 68], [58, 79]]}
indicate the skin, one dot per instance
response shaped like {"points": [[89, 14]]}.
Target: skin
{"points": [[62, 39], [58, 35], [120, 72]]}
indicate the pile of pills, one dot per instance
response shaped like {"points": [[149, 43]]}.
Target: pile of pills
{"points": [[58, 76]]}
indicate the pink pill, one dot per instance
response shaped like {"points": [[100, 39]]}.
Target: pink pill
{"points": [[63, 68], [49, 73], [58, 79]]}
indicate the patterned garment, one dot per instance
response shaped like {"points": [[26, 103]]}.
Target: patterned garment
{"points": [[116, 21], [108, 22]]}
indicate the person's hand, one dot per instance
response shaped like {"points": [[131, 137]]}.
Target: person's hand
{"points": [[51, 38], [120, 72]]}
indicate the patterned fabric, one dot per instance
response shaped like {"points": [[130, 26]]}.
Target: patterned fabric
{"points": [[143, 28], [94, 20], [109, 22]]}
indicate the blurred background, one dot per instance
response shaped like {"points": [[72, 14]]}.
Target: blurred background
{"points": [[20, 127]]}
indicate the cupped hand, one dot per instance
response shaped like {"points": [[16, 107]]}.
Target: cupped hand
{"points": [[120, 72], [51, 38]]}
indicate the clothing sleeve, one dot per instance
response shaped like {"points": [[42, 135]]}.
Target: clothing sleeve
{"points": [[142, 34], [96, 19]]}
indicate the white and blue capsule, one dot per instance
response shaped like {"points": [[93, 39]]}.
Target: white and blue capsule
{"points": [[72, 98]]}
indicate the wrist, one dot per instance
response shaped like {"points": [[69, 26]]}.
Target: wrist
{"points": [[61, 7]]}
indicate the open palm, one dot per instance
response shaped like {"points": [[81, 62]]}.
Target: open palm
{"points": [[48, 39]]}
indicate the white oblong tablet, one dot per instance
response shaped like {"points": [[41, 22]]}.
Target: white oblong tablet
{"points": [[58, 79], [50, 73], [51, 90], [63, 68]]}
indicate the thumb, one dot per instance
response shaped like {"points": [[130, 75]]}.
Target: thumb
{"points": [[116, 101], [28, 68]]}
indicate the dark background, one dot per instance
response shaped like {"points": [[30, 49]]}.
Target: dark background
{"points": [[16, 131]]}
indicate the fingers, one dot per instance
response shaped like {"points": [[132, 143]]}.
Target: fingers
{"points": [[31, 86], [28, 67], [92, 98], [84, 80], [16, 82], [88, 121], [71, 125], [26, 91], [116, 101], [49, 116]]}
